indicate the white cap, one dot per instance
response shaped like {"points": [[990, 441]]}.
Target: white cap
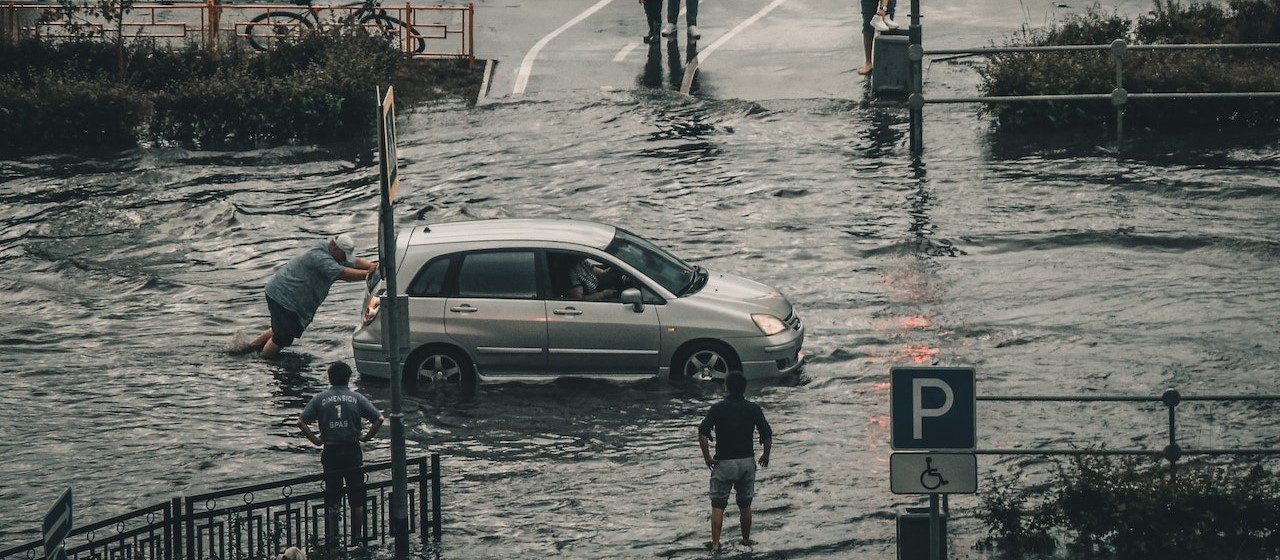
{"points": [[345, 244]]}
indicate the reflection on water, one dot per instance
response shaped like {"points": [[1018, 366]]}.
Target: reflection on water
{"points": [[1051, 269]]}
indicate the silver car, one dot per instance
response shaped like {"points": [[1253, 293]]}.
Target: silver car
{"points": [[491, 300]]}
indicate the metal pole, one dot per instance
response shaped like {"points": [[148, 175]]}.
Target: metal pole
{"points": [[915, 50], [1119, 96], [391, 343], [436, 507], [935, 540], [1173, 451]]}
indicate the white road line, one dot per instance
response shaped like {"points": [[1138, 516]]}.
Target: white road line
{"points": [[625, 51], [488, 76], [526, 66], [692, 66]]}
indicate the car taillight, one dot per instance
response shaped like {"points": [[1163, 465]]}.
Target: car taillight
{"points": [[371, 310]]}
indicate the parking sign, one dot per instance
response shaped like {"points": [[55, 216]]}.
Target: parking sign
{"points": [[932, 408]]}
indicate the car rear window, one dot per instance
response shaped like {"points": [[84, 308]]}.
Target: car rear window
{"points": [[506, 274], [430, 279]]}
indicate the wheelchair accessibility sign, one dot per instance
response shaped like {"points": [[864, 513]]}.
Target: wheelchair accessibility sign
{"points": [[933, 473]]}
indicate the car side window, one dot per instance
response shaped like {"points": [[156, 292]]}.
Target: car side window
{"points": [[431, 279], [501, 274]]}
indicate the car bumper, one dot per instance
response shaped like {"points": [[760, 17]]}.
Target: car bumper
{"points": [[370, 360], [771, 356]]}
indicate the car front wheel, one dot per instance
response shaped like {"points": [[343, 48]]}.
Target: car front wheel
{"points": [[704, 361]]}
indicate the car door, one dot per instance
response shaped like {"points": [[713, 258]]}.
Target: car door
{"points": [[599, 337], [497, 313]]}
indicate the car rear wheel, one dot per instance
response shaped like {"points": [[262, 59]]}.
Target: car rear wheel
{"points": [[442, 368], [704, 361]]}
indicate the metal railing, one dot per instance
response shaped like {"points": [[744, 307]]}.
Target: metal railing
{"points": [[1119, 96], [1171, 452], [251, 522], [447, 30]]}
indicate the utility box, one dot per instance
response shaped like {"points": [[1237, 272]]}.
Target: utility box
{"points": [[892, 73], [913, 530]]}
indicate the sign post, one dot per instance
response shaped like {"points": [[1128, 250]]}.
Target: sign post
{"points": [[390, 183], [56, 526], [933, 413]]}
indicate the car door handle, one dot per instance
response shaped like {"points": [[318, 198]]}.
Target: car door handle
{"points": [[463, 309], [567, 311]]}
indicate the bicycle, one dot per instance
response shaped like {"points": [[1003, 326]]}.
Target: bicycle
{"points": [[278, 24]]}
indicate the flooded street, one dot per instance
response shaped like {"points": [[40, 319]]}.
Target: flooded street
{"points": [[1053, 267]]}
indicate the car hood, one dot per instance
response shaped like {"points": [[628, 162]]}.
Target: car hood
{"points": [[730, 288]]}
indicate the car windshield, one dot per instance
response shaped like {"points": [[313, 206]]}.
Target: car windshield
{"points": [[660, 266]]}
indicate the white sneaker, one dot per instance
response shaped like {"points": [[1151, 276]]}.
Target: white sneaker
{"points": [[877, 21], [888, 20], [668, 30], [693, 33]]}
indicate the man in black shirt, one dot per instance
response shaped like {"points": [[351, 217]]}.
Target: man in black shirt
{"points": [[733, 466], [339, 410]]}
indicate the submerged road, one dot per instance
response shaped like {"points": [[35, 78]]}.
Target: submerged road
{"points": [[749, 49]]}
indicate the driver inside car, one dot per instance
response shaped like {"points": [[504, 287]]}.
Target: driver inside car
{"points": [[587, 281]]}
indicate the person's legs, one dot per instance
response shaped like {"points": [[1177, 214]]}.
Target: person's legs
{"points": [[673, 11], [744, 493], [356, 494], [332, 494], [653, 15], [868, 33], [262, 339], [285, 326], [721, 484], [717, 523], [691, 16]]}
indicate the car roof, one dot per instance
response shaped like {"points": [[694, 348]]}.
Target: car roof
{"points": [[590, 234]]}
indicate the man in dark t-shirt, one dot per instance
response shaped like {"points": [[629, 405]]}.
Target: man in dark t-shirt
{"points": [[339, 410], [733, 467]]}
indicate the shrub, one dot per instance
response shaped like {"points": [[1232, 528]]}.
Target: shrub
{"points": [[1132, 508], [47, 111], [317, 89], [70, 94], [1167, 71]]}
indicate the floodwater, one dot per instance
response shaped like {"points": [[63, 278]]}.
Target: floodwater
{"points": [[1051, 265]]}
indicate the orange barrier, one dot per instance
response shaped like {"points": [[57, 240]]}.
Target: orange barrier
{"points": [[440, 31]]}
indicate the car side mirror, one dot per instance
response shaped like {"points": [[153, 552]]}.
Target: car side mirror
{"points": [[632, 296]]}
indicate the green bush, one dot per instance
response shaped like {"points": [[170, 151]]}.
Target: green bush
{"points": [[1133, 509], [1159, 71], [67, 95], [318, 89], [47, 111]]}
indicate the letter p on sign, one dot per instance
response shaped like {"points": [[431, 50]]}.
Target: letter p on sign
{"points": [[932, 408]]}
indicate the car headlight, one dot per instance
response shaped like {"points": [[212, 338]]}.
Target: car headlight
{"points": [[768, 324]]}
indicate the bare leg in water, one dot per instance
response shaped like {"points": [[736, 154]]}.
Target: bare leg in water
{"points": [[717, 523], [744, 517], [268, 348], [866, 49]]}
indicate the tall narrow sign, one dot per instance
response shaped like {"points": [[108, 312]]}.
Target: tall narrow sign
{"points": [[389, 305], [56, 526]]}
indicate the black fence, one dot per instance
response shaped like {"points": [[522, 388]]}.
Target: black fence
{"points": [[252, 522], [1172, 452]]}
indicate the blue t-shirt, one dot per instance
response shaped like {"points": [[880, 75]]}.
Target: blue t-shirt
{"points": [[301, 284], [339, 410]]}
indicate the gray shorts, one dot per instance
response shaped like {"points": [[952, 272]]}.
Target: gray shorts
{"points": [[736, 474]]}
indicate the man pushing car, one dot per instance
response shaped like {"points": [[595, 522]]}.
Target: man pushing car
{"points": [[298, 288]]}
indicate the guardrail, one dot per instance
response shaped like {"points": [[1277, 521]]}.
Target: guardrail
{"points": [[441, 31], [250, 522], [1170, 398], [1118, 96]]}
